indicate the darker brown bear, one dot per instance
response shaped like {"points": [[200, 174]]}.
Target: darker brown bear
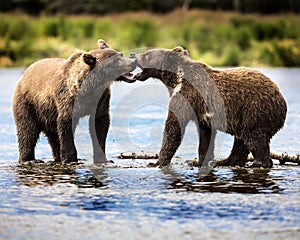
{"points": [[240, 101], [54, 93]]}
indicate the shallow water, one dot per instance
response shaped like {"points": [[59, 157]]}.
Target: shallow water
{"points": [[125, 199]]}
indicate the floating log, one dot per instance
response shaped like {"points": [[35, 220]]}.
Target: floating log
{"points": [[282, 157], [286, 157]]}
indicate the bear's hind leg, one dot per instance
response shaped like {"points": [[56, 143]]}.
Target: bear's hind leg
{"points": [[260, 149], [238, 155], [28, 131]]}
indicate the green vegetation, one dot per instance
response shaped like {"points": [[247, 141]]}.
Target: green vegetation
{"points": [[217, 38]]}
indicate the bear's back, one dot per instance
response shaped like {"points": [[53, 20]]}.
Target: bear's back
{"points": [[251, 99], [42, 72], [40, 80]]}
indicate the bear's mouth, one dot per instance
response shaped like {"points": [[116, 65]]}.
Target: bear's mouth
{"points": [[132, 76], [129, 76]]}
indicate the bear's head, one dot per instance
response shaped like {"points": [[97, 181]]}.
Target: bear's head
{"points": [[156, 62], [98, 68], [111, 64]]}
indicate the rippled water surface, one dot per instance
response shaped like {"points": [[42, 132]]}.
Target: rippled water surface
{"points": [[127, 200]]}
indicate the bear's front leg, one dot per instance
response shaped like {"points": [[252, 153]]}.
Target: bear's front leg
{"points": [[174, 130], [99, 126], [259, 145], [206, 145], [28, 129], [68, 151]]}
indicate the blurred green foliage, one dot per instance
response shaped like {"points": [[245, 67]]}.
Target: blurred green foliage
{"points": [[217, 38], [232, 56]]}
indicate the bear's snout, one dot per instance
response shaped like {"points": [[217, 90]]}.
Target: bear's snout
{"points": [[132, 55]]}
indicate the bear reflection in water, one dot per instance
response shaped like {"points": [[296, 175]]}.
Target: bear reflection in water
{"points": [[236, 180]]}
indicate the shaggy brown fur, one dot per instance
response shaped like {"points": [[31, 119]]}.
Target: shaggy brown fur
{"points": [[240, 101], [54, 93]]}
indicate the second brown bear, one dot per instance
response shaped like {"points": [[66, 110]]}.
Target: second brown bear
{"points": [[241, 101]]}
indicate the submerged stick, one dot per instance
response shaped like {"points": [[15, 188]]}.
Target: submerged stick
{"points": [[138, 155]]}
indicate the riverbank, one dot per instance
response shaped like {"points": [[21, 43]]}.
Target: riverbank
{"points": [[217, 38]]}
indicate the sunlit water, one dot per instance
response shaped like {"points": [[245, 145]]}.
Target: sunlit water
{"points": [[127, 200]]}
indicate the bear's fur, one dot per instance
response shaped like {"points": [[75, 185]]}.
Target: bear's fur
{"points": [[54, 93], [240, 101]]}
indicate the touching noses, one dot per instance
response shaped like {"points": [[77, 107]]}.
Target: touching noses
{"points": [[132, 55]]}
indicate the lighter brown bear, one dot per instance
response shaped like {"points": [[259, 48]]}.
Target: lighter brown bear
{"points": [[54, 93], [240, 101]]}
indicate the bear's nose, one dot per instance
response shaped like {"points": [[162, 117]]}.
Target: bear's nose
{"points": [[132, 55], [120, 54]]}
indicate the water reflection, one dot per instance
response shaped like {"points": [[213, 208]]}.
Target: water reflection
{"points": [[221, 180], [236, 180], [50, 173]]}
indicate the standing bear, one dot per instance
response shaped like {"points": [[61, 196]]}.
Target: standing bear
{"points": [[54, 93], [240, 101]]}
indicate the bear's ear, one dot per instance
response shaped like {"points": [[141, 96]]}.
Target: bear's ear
{"points": [[89, 59], [181, 50], [102, 44]]}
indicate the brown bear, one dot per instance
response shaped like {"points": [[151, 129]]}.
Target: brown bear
{"points": [[240, 101], [54, 93]]}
